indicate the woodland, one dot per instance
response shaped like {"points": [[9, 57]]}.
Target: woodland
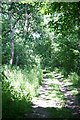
{"points": [[40, 68]]}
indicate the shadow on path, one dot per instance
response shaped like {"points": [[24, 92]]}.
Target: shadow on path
{"points": [[44, 107]]}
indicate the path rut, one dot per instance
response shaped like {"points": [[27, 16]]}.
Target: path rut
{"points": [[41, 103]]}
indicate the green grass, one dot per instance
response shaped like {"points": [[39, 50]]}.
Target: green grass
{"points": [[72, 83], [19, 87]]}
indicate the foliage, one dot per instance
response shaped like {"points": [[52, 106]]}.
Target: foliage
{"points": [[36, 36], [51, 34], [19, 87], [74, 78]]}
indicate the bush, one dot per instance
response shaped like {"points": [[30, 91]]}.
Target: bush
{"points": [[74, 78]]}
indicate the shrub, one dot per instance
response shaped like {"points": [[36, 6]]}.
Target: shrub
{"points": [[74, 78]]}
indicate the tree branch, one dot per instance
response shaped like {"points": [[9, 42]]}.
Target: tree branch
{"points": [[12, 27]]}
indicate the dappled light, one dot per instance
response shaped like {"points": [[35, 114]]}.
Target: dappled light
{"points": [[53, 97], [40, 70]]}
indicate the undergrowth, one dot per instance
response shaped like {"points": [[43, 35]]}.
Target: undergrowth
{"points": [[19, 87]]}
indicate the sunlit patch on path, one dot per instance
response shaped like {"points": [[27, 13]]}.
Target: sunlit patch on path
{"points": [[53, 93], [70, 103]]}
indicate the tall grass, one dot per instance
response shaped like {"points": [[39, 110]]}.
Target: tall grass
{"points": [[19, 87]]}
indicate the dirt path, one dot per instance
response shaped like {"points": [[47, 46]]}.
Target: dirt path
{"points": [[70, 103], [44, 101]]}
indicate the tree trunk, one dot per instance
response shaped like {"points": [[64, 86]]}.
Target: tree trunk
{"points": [[26, 19], [12, 40], [26, 24]]}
